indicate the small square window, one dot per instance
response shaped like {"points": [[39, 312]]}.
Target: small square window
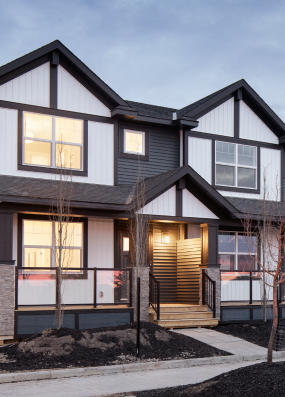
{"points": [[134, 142]]}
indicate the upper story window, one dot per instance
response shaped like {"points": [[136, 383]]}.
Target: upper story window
{"points": [[237, 251], [236, 165], [52, 142], [134, 142]]}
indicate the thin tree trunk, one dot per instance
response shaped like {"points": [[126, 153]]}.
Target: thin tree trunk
{"points": [[274, 324]]}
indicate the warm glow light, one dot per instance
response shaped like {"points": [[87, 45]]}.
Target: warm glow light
{"points": [[126, 244], [166, 238]]}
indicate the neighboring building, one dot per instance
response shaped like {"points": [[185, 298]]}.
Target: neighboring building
{"points": [[203, 166]]}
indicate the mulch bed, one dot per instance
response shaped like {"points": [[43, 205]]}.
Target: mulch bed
{"points": [[262, 380], [116, 345], [255, 333]]}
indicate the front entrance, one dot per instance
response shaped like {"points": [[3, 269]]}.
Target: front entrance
{"points": [[176, 262]]}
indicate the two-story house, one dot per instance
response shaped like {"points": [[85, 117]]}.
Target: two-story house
{"points": [[203, 169]]}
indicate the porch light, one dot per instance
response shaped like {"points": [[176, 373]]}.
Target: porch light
{"points": [[165, 238]]}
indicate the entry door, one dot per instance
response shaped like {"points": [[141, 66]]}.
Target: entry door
{"points": [[188, 270], [121, 292]]}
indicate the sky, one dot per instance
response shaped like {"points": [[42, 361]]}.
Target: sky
{"points": [[162, 52]]}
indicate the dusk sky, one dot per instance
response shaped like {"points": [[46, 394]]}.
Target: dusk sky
{"points": [[164, 52]]}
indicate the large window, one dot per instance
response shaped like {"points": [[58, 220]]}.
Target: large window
{"points": [[41, 243], [237, 251], [134, 142], [236, 165], [54, 142]]}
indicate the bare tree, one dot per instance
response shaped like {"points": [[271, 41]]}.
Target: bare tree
{"points": [[61, 211], [138, 231], [270, 231]]}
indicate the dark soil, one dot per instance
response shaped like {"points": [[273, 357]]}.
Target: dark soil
{"points": [[256, 333], [117, 345], [260, 380]]}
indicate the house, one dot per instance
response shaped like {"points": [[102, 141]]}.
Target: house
{"points": [[204, 168]]}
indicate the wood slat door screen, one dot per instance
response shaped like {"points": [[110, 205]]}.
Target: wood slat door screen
{"points": [[188, 270], [165, 270]]}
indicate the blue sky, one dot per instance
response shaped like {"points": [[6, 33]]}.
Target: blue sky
{"points": [[165, 52]]}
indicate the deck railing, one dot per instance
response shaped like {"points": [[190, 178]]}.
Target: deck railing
{"points": [[209, 292], [246, 286], [154, 295], [37, 286]]}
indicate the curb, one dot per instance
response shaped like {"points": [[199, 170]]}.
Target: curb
{"points": [[127, 368]]}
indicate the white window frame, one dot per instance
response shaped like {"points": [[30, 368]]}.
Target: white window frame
{"points": [[236, 254], [53, 247], [53, 143], [133, 132], [236, 165]]}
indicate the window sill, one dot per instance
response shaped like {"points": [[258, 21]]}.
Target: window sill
{"points": [[134, 156], [236, 189], [50, 170]]}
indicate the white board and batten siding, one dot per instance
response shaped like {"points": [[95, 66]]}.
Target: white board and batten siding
{"points": [[164, 205], [73, 96], [101, 255], [200, 156], [219, 120], [100, 151], [192, 207], [31, 87], [252, 127]]}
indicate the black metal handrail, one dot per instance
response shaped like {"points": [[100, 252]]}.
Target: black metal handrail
{"points": [[154, 295], [209, 292]]}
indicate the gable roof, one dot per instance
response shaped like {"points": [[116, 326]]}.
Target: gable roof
{"points": [[244, 91], [68, 59], [210, 197]]}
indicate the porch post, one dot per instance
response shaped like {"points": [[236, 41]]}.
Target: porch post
{"points": [[7, 277], [144, 305]]}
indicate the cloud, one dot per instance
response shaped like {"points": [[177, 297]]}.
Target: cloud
{"points": [[159, 51]]}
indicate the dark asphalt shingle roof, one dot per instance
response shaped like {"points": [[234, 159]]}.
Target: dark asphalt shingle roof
{"points": [[155, 111], [257, 208], [44, 189]]}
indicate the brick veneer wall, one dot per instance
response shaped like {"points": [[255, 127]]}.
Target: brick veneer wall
{"points": [[144, 275], [7, 300], [215, 274]]}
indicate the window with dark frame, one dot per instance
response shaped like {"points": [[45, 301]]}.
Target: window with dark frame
{"points": [[134, 142], [235, 165], [52, 142], [41, 244], [237, 251]]}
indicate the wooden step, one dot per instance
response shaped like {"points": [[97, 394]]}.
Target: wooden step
{"points": [[170, 308], [183, 315], [188, 323]]}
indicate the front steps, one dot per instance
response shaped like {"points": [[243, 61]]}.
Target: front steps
{"points": [[184, 316]]}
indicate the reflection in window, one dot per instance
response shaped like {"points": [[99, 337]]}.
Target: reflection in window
{"points": [[50, 141], [236, 165], [237, 251]]}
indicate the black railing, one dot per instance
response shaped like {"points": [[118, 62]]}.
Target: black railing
{"points": [[209, 292], [154, 295], [120, 281]]}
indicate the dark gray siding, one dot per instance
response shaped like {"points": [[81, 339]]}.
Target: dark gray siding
{"points": [[163, 156]]}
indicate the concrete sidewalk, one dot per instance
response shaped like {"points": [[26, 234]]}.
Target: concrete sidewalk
{"points": [[102, 385], [225, 342]]}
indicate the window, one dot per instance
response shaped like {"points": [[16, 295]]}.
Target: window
{"points": [[50, 141], [134, 142], [41, 243], [236, 165], [237, 251]]}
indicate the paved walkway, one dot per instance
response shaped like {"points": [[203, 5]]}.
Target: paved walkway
{"points": [[91, 386], [229, 343]]}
